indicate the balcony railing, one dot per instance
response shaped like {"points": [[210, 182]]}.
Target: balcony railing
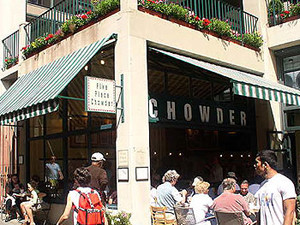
{"points": [[10, 49], [51, 20], [280, 11], [240, 21]]}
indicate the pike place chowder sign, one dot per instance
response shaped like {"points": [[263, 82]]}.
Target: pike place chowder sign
{"points": [[186, 111], [100, 95]]}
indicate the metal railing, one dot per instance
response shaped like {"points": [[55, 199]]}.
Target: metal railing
{"points": [[11, 46], [276, 10], [240, 21], [52, 19]]}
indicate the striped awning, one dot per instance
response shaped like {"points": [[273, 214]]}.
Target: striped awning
{"points": [[36, 93], [246, 84]]}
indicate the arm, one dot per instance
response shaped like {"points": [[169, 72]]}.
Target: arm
{"points": [[67, 211], [61, 176], [289, 210]]}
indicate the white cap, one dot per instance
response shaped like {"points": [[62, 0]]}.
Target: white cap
{"points": [[196, 180], [97, 156]]}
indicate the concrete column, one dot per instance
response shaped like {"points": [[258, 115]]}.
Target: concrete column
{"points": [[133, 135], [22, 41]]}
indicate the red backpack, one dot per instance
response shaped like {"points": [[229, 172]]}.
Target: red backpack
{"points": [[90, 210]]}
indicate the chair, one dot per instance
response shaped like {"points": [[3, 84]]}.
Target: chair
{"points": [[158, 215], [41, 210], [230, 218], [186, 216]]}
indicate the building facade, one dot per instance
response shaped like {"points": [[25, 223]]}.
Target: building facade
{"points": [[187, 99]]}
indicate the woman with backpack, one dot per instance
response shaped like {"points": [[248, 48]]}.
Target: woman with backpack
{"points": [[85, 201]]}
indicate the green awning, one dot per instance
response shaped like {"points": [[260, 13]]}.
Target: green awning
{"points": [[36, 93], [246, 84]]}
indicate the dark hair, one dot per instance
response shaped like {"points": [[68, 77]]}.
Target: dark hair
{"points": [[268, 156], [82, 176], [33, 184], [36, 178], [245, 182]]}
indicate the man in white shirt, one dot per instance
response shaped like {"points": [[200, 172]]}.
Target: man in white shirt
{"points": [[276, 196]]}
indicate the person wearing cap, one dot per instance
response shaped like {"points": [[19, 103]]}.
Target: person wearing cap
{"points": [[233, 176], [99, 178]]}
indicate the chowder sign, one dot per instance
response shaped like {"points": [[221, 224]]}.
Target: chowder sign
{"points": [[100, 95], [197, 112]]}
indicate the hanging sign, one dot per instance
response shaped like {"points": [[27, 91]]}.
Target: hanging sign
{"points": [[100, 95]]}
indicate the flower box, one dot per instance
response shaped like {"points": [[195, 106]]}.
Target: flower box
{"points": [[288, 19], [152, 12], [251, 47], [65, 36]]}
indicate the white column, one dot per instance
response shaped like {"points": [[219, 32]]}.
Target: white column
{"points": [[133, 135], [22, 41]]}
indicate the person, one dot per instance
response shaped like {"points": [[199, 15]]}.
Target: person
{"points": [[229, 175], [82, 179], [53, 172], [216, 171], [249, 198], [27, 206], [14, 191], [99, 178], [168, 195], [255, 184], [191, 190], [153, 192], [201, 202], [276, 196], [228, 201]]}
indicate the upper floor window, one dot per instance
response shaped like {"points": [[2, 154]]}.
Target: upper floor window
{"points": [[291, 71]]}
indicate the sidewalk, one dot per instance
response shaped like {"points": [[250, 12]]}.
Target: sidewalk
{"points": [[12, 222]]}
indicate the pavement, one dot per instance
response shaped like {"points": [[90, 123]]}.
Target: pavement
{"points": [[12, 222]]}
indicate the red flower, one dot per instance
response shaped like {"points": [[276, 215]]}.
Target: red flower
{"points": [[46, 38], [84, 16], [89, 12], [282, 15], [5, 60], [197, 18], [206, 22], [286, 12], [24, 48], [50, 35]]}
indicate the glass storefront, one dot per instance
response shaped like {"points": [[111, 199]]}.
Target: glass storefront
{"points": [[72, 134], [198, 123]]}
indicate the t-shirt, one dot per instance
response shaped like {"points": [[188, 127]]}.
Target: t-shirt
{"points": [[53, 169], [99, 178], [74, 195], [229, 202], [270, 197], [168, 195], [201, 204]]}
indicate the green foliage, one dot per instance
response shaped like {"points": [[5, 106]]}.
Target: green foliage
{"points": [[253, 39], [10, 61], [295, 9], [70, 26], [220, 27], [118, 218], [106, 6], [177, 11], [275, 6]]}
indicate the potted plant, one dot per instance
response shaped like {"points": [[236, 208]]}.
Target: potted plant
{"points": [[275, 8], [118, 217]]}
